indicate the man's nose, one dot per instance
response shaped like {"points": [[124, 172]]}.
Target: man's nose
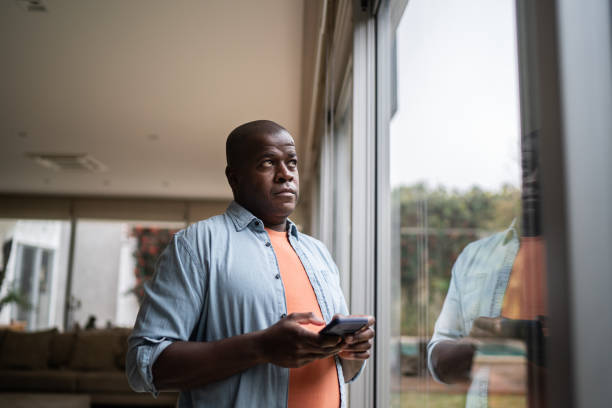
{"points": [[283, 173]]}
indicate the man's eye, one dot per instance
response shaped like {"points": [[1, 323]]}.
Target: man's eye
{"points": [[266, 163], [292, 163]]}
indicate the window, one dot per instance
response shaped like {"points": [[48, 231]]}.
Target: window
{"points": [[342, 192], [34, 272], [468, 301], [112, 262]]}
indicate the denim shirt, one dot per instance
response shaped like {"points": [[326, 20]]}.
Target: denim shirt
{"points": [[478, 284], [218, 279]]}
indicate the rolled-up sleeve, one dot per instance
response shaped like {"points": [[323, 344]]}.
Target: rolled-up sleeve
{"points": [[169, 312], [449, 325]]}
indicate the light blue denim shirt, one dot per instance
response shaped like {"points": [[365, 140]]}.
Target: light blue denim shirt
{"points": [[478, 284], [218, 278]]}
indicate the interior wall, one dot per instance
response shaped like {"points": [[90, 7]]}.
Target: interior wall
{"points": [[108, 208], [96, 271]]}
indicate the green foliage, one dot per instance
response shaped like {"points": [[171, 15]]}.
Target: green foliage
{"points": [[14, 296], [434, 227]]}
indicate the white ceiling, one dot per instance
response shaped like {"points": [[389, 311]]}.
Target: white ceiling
{"points": [[101, 76]]}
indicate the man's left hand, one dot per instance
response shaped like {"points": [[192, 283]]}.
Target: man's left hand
{"points": [[357, 346]]}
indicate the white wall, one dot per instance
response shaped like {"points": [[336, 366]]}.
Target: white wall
{"points": [[95, 274]]}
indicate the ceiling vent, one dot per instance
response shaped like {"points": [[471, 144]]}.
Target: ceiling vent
{"points": [[33, 6], [68, 162]]}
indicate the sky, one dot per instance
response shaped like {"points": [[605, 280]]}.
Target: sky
{"points": [[457, 123]]}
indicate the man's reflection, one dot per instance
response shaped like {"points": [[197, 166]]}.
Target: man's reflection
{"points": [[496, 292]]}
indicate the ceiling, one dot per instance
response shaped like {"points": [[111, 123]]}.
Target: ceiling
{"points": [[149, 88]]}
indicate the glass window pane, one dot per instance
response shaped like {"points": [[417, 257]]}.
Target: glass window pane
{"points": [[33, 273], [342, 179], [113, 261], [45, 276], [26, 276], [467, 253]]}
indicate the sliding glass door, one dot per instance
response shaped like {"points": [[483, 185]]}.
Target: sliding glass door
{"points": [[467, 275]]}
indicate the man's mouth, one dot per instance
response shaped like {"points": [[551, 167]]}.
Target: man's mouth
{"points": [[286, 192]]}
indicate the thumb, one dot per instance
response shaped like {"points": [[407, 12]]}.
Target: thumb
{"points": [[306, 318]]}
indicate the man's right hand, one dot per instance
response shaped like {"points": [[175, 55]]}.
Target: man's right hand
{"points": [[452, 360], [289, 344]]}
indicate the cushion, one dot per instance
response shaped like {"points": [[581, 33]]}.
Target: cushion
{"points": [[26, 350], [96, 350], [123, 347], [62, 345], [2, 334], [39, 380], [103, 381]]}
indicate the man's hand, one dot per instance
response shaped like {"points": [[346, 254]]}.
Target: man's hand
{"points": [[289, 344], [357, 346], [486, 327], [452, 359], [356, 349]]}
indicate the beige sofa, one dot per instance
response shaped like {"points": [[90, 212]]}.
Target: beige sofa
{"points": [[90, 362]]}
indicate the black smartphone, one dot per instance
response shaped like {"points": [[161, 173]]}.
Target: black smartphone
{"points": [[343, 326]]}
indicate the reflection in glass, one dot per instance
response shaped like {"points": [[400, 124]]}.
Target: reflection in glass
{"points": [[469, 256], [342, 179]]}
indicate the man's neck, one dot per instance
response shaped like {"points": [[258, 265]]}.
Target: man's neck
{"points": [[276, 224], [277, 227]]}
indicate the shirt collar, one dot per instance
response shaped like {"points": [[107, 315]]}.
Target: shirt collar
{"points": [[511, 233], [242, 218]]}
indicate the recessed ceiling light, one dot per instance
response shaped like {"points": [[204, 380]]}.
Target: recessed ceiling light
{"points": [[80, 162], [36, 6]]}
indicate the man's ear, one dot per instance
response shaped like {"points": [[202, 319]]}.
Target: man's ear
{"points": [[231, 178]]}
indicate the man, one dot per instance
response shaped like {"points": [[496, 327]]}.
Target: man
{"points": [[232, 313]]}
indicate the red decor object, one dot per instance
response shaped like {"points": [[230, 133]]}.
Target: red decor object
{"points": [[150, 242]]}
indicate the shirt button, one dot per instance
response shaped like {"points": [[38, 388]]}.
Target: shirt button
{"points": [[268, 244], [283, 316], [277, 276]]}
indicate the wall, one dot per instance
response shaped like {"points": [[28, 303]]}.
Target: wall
{"points": [[96, 270]]}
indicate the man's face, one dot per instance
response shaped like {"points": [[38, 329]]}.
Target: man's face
{"points": [[266, 180]]}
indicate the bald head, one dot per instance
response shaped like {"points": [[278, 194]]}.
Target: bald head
{"points": [[262, 171], [239, 140]]}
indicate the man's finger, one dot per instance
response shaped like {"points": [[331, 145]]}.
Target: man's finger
{"points": [[360, 336], [354, 356], [327, 341], [306, 318], [488, 324], [371, 319], [363, 346], [322, 353]]}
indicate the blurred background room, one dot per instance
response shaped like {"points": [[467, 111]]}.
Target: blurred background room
{"points": [[454, 157]]}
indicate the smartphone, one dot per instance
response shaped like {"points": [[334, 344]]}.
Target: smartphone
{"points": [[343, 326]]}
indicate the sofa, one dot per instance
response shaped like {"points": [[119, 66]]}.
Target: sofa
{"points": [[87, 362]]}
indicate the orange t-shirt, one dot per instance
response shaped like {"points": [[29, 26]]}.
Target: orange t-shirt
{"points": [[525, 296], [315, 384]]}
